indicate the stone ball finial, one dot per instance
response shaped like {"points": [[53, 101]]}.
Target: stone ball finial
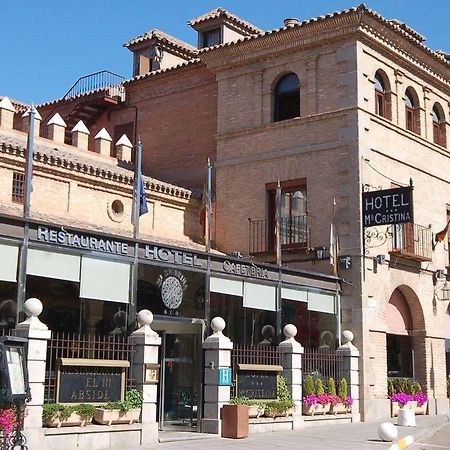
{"points": [[348, 336], [290, 331], [218, 324], [144, 317], [33, 307]]}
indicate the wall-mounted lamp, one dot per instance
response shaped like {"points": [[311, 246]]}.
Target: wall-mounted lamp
{"points": [[381, 259]]}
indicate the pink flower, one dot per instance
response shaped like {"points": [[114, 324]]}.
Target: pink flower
{"points": [[7, 421], [348, 401], [311, 400], [420, 398], [401, 398]]}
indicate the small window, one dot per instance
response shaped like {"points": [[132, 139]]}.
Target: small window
{"points": [[439, 134], [382, 96], [287, 98], [412, 112], [18, 187], [211, 37]]}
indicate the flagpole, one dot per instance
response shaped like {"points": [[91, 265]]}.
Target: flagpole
{"points": [[278, 252], [136, 232], [208, 243], [21, 284], [336, 274]]}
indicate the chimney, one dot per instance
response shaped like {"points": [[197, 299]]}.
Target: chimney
{"points": [[80, 136], [123, 149], [290, 22], [7, 112], [102, 143], [57, 129], [37, 122]]}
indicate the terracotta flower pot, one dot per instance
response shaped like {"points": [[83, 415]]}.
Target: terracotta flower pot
{"points": [[113, 416], [73, 420], [235, 421]]}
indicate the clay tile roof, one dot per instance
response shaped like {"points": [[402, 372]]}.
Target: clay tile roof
{"points": [[164, 37], [221, 12], [406, 31]]}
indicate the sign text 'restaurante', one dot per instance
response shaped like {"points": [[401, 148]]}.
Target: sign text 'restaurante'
{"points": [[386, 207], [71, 239]]}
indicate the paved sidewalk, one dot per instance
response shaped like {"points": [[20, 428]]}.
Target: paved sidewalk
{"points": [[357, 436]]}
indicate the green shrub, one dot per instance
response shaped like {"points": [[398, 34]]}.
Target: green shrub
{"points": [[242, 400], [62, 412], [133, 400], [343, 389], [397, 384], [448, 388], [283, 392], [331, 386], [308, 386], [390, 387], [415, 388], [319, 387], [278, 407], [85, 410], [406, 386]]}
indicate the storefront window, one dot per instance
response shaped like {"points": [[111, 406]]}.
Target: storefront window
{"points": [[314, 329], [244, 325], [61, 302], [103, 318], [8, 306], [171, 292]]}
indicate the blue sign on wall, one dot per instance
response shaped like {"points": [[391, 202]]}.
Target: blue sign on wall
{"points": [[225, 376]]}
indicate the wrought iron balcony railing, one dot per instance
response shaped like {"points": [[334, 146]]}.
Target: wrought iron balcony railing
{"points": [[293, 232], [411, 241]]}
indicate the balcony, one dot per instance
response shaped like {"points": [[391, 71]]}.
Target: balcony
{"points": [[293, 230], [411, 241]]}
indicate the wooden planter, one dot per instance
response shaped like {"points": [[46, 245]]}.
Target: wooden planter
{"points": [[315, 410], [74, 420], [340, 408], [235, 421], [114, 416]]}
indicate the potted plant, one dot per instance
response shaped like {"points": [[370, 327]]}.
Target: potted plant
{"points": [[285, 396], [127, 411], [235, 419], [279, 408], [315, 401], [57, 415], [337, 402], [405, 415]]}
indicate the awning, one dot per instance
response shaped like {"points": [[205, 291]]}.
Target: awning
{"points": [[49, 264], [9, 255], [225, 286], [105, 280], [259, 296]]}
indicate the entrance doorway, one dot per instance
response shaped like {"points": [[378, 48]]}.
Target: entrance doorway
{"points": [[181, 375]]}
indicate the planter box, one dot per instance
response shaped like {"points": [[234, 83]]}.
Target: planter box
{"points": [[340, 408], [235, 421], [317, 409], [421, 410], [255, 411], [74, 420], [114, 416]]}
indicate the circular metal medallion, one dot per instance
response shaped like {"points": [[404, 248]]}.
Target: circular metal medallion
{"points": [[172, 292]]}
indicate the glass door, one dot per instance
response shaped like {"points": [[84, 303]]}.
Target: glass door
{"points": [[180, 387]]}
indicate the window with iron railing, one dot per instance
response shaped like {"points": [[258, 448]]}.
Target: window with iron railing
{"points": [[412, 241], [18, 187]]}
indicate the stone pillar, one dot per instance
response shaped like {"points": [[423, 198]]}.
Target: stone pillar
{"points": [[7, 112], [217, 349], [37, 334], [351, 371], [123, 149], [291, 360], [37, 121], [145, 361], [57, 129], [102, 143], [80, 136]]}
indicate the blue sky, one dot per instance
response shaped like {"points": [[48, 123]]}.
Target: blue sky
{"points": [[51, 43]]}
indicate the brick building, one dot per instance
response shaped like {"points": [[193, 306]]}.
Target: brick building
{"points": [[330, 107]]}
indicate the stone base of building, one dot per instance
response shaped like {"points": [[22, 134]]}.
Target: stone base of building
{"points": [[100, 437], [212, 426], [439, 406], [376, 409]]}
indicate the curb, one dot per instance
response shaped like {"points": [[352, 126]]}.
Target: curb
{"points": [[433, 429], [402, 443]]}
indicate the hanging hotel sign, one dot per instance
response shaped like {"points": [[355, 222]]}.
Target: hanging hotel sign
{"points": [[62, 236], [388, 206]]}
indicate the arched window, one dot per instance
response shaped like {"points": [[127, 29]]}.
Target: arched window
{"points": [[439, 135], [382, 95], [287, 98], [412, 112]]}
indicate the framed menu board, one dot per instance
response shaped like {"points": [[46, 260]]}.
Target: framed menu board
{"points": [[13, 368]]}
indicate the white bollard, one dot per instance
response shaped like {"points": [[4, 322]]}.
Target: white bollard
{"points": [[387, 432], [406, 418]]}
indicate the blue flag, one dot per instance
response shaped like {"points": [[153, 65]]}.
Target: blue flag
{"points": [[143, 208]]}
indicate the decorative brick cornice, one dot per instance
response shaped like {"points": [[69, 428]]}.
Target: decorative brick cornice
{"points": [[82, 165]]}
